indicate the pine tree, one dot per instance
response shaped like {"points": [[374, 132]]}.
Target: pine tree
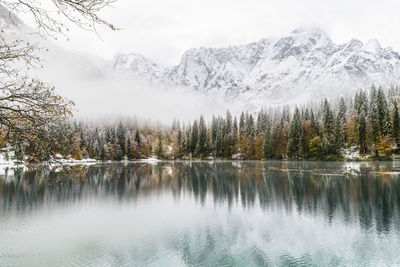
{"points": [[313, 125], [396, 121], [188, 141], [219, 143], [241, 126], [202, 149], [102, 151], [121, 140], [339, 133], [214, 130], [228, 123], [228, 135], [194, 137], [362, 133], [341, 117], [328, 119], [160, 151], [250, 134], [179, 142], [259, 124], [235, 131], [375, 127], [294, 148], [383, 114], [267, 153], [129, 150], [250, 131], [137, 138], [328, 133]]}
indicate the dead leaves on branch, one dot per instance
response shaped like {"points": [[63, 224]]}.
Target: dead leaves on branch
{"points": [[31, 114], [49, 23]]}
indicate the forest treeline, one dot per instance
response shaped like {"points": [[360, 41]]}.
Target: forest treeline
{"points": [[366, 124]]}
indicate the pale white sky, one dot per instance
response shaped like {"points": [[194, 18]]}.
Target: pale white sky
{"points": [[163, 29]]}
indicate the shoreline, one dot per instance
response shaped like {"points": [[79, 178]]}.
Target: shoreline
{"points": [[86, 162]]}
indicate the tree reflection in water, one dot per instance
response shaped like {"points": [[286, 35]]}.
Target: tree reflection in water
{"points": [[364, 193]]}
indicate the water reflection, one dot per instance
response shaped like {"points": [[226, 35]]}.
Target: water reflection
{"points": [[363, 194]]}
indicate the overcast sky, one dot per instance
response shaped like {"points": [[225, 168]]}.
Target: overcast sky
{"points": [[163, 29]]}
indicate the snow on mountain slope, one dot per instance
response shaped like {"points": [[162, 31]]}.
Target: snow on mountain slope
{"points": [[134, 66], [305, 64]]}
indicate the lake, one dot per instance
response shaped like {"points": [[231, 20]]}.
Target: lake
{"points": [[202, 214]]}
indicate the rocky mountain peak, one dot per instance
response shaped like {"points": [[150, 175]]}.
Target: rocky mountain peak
{"points": [[302, 65]]}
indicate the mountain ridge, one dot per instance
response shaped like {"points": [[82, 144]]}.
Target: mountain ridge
{"points": [[303, 64]]}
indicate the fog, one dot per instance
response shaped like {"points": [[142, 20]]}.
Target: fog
{"points": [[109, 98], [96, 97]]}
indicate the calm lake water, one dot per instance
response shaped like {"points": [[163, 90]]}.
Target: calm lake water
{"points": [[202, 214]]}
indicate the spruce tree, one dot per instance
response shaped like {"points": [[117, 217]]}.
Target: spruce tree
{"points": [[241, 126], [294, 148], [179, 141], [102, 151], [396, 121], [383, 114], [194, 137], [138, 142], [137, 138], [219, 143], [341, 117], [121, 140], [328, 133], [362, 133], [250, 128], [267, 152], [375, 132], [202, 137], [214, 130], [235, 131], [313, 125], [129, 150], [188, 139], [160, 151]]}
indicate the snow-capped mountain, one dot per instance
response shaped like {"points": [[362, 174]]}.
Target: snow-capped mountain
{"points": [[302, 65]]}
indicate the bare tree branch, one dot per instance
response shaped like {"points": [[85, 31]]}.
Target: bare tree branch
{"points": [[31, 113]]}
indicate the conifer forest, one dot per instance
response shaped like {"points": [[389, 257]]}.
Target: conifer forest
{"points": [[365, 126]]}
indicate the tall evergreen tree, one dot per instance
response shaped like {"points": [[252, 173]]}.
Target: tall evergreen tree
{"points": [[383, 114], [235, 131], [329, 143], [294, 148], [214, 130], [362, 133], [342, 111], [219, 143], [121, 136], [195, 137], [129, 150], [160, 150], [313, 125], [137, 138], [179, 141], [202, 137], [242, 130], [396, 121], [267, 152]]}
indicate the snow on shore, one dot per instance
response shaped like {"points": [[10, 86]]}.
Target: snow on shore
{"points": [[150, 160]]}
